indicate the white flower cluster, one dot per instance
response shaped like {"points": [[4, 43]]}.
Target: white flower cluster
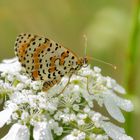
{"points": [[71, 115]]}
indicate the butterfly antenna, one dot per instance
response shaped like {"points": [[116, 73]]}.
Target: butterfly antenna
{"points": [[101, 61], [85, 40], [85, 52]]}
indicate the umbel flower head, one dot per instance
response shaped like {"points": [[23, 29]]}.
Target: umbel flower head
{"points": [[38, 115]]}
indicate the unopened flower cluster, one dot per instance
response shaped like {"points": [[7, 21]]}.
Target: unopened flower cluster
{"points": [[71, 115]]}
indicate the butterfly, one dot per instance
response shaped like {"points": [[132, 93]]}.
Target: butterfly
{"points": [[46, 60]]}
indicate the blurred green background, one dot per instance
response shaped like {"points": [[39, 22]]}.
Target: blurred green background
{"points": [[112, 28]]}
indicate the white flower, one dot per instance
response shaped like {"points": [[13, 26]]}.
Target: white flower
{"points": [[17, 132], [70, 115], [101, 137], [97, 70], [115, 132], [5, 116], [86, 109], [75, 135], [58, 131], [75, 107], [113, 103], [42, 131], [111, 83], [10, 66], [96, 118], [80, 122], [112, 108]]}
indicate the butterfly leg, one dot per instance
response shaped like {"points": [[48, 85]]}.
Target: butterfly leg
{"points": [[87, 87], [65, 86]]}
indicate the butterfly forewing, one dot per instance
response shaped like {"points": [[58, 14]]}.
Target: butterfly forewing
{"points": [[44, 59]]}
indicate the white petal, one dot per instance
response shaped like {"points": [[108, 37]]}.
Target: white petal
{"points": [[111, 83], [17, 132], [112, 108], [123, 103], [115, 132], [8, 61], [10, 65], [70, 137], [42, 131], [5, 116], [119, 89], [97, 69]]}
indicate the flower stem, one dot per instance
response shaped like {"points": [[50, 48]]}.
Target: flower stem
{"points": [[31, 133]]}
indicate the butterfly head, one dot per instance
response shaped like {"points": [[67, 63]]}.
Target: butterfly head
{"points": [[84, 61]]}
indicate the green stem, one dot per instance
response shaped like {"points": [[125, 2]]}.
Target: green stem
{"points": [[131, 69], [132, 52], [31, 132]]}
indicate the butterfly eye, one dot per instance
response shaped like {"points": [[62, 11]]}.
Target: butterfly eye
{"points": [[85, 60]]}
